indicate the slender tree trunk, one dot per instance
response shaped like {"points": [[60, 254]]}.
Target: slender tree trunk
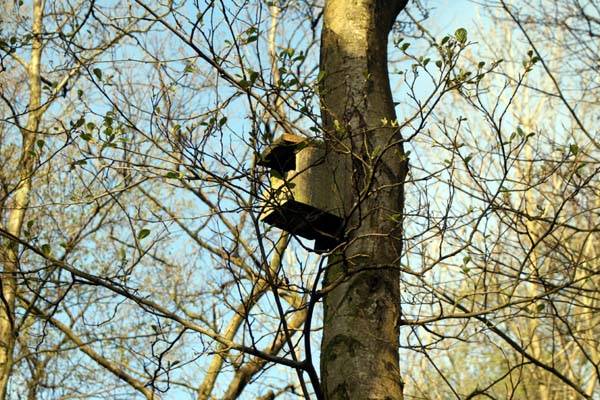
{"points": [[9, 251], [359, 355]]}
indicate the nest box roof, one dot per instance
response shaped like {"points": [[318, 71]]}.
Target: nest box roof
{"points": [[280, 154]]}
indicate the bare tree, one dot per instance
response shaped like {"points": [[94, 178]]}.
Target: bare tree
{"points": [[508, 280]]}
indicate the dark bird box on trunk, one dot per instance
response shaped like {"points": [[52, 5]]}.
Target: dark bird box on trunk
{"points": [[304, 195]]}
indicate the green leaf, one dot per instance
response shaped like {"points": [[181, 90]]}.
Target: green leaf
{"points": [[250, 39], [172, 175], [461, 35], [46, 249], [396, 217], [79, 123], [439, 63], [276, 174], [244, 84], [321, 76], [40, 143], [574, 149], [143, 233], [253, 76], [86, 136], [404, 46], [289, 52], [98, 73], [376, 151], [540, 307], [188, 68]]}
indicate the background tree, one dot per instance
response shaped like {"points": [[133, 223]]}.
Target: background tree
{"points": [[511, 276]]}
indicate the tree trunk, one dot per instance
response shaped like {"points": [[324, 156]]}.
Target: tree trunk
{"points": [[359, 353], [9, 251]]}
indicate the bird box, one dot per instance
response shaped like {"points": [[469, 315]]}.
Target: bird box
{"points": [[304, 197]]}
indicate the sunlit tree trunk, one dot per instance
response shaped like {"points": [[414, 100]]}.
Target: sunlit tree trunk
{"points": [[9, 252], [362, 304]]}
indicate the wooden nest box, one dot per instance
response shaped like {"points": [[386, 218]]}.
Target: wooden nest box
{"points": [[304, 195]]}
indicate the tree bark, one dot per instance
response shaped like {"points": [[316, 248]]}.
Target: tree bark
{"points": [[9, 250], [359, 352]]}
